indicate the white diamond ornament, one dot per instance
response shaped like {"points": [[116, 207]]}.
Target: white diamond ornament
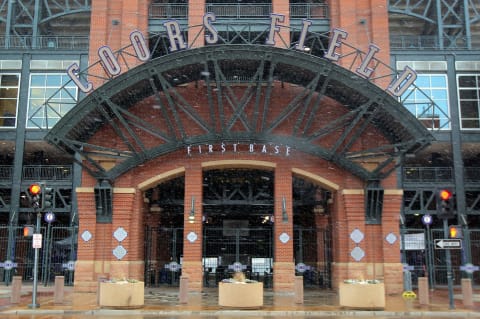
{"points": [[86, 236], [284, 238], [357, 253], [120, 234], [119, 252], [391, 238], [192, 237], [356, 235]]}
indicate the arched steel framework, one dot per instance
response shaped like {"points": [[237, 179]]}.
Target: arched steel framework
{"points": [[260, 68], [449, 21]]}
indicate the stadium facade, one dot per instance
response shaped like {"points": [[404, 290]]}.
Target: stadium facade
{"points": [[279, 138]]}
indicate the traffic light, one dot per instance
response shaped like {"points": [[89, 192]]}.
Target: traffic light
{"points": [[455, 231], [47, 197], [35, 191], [445, 204], [28, 231]]}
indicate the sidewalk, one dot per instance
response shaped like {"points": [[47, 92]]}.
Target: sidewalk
{"points": [[164, 301]]}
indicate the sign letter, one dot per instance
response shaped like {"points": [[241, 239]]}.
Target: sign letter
{"points": [[401, 84], [175, 36], [335, 42], [274, 27], [301, 42], [363, 69], [109, 62], [140, 46], [208, 18], [72, 72]]}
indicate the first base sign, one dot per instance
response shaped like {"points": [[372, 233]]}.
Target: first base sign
{"points": [[37, 241]]}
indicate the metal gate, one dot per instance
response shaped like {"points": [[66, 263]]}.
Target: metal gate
{"points": [[56, 257], [226, 250], [421, 259], [163, 256], [313, 256]]}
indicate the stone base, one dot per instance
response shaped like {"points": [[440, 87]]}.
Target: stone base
{"points": [[121, 295], [240, 295], [362, 296]]}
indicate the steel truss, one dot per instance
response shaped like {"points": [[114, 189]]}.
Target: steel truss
{"points": [[220, 67], [452, 18], [33, 20]]}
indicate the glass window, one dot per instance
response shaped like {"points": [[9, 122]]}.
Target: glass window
{"points": [[431, 87], [8, 99], [469, 101], [60, 99]]}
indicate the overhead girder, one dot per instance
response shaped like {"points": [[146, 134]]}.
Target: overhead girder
{"points": [[27, 17], [261, 68], [452, 18]]}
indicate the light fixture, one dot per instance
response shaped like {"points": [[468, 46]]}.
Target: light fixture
{"points": [[284, 210], [191, 217]]}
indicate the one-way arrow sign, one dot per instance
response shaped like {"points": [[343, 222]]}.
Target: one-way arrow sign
{"points": [[448, 243]]}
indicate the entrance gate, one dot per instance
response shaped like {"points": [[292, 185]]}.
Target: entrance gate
{"points": [[232, 248], [228, 249]]}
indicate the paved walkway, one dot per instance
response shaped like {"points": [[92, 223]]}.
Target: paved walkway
{"points": [[166, 301]]}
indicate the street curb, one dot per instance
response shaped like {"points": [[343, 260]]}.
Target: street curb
{"points": [[247, 313]]}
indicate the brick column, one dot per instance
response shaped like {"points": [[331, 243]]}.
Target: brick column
{"points": [[366, 22], [86, 265], [95, 258], [192, 249], [196, 11], [111, 25], [393, 268], [282, 7], [283, 266]]}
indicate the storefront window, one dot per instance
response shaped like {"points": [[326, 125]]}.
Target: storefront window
{"points": [[433, 87], [469, 100], [45, 87], [8, 99]]}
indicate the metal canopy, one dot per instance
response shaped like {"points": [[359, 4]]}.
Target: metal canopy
{"points": [[219, 68]]}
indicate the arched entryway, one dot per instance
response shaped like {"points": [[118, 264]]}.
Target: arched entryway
{"points": [[238, 228]]}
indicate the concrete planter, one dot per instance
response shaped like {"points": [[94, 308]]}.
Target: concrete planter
{"points": [[240, 295], [362, 295], [121, 294]]}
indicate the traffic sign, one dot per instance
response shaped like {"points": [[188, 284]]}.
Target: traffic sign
{"points": [[37, 241], [448, 243]]}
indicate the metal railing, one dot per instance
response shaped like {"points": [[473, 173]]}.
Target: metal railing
{"points": [[38, 172], [51, 173], [309, 11], [238, 10], [73, 42], [427, 174], [168, 11], [6, 172]]}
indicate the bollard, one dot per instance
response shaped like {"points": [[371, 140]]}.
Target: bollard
{"points": [[467, 294], [423, 294], [407, 281], [59, 289], [16, 289], [183, 296], [298, 288]]}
